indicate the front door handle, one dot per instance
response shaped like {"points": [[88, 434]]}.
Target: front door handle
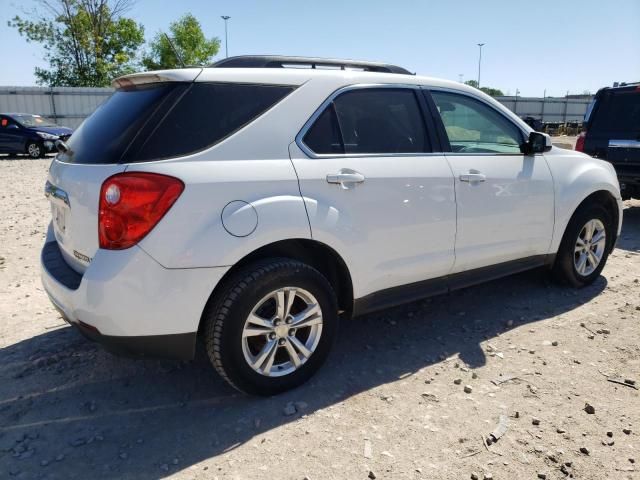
{"points": [[346, 177], [473, 177]]}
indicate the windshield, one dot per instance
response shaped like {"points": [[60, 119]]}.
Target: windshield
{"points": [[33, 121]]}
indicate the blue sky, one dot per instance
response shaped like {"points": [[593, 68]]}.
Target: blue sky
{"points": [[531, 46]]}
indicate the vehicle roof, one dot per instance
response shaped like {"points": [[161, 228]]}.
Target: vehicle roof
{"points": [[325, 80], [284, 76]]}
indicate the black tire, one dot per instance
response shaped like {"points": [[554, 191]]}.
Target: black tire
{"points": [[227, 311], [35, 150], [564, 269]]}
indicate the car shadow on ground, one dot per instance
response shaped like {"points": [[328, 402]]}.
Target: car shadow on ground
{"points": [[70, 410]]}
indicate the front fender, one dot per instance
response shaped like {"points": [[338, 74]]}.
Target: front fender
{"points": [[577, 176]]}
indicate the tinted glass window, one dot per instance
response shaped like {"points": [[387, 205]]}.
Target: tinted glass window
{"points": [[206, 114], [158, 121], [618, 112], [106, 134], [324, 135], [382, 120], [474, 127]]}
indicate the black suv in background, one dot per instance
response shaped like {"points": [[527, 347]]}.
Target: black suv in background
{"points": [[612, 133]]}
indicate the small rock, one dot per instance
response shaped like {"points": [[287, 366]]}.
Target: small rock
{"points": [[561, 430], [554, 343], [457, 381], [164, 467], [632, 460], [175, 461], [606, 331], [626, 431], [609, 434], [371, 475], [44, 463], [289, 409], [60, 457], [584, 450], [629, 381], [474, 476], [542, 475], [590, 409], [474, 375], [468, 389], [124, 455], [488, 476], [535, 421], [300, 405]]}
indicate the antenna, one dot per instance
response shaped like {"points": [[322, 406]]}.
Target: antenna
{"points": [[175, 52]]}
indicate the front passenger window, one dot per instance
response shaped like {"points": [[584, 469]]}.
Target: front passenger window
{"points": [[473, 127]]}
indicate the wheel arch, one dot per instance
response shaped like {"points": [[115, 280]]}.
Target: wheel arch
{"points": [[312, 252], [602, 197]]}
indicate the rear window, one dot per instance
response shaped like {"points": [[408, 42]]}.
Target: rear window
{"points": [[168, 120], [618, 112], [370, 121]]}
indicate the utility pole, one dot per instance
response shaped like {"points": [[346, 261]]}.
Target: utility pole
{"points": [[479, 62], [226, 36]]}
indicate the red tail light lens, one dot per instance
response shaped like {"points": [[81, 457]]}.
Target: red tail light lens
{"points": [[131, 204], [580, 142]]}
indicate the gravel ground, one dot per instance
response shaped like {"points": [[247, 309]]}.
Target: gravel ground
{"points": [[410, 393]]}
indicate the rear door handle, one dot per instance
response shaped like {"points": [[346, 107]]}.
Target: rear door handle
{"points": [[473, 177], [346, 178]]}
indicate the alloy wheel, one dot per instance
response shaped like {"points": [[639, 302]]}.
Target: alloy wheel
{"points": [[282, 332], [589, 248]]}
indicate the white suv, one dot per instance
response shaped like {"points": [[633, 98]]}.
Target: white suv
{"points": [[255, 203]]}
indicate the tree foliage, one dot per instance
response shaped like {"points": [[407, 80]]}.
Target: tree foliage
{"points": [[189, 41], [87, 42], [494, 92]]}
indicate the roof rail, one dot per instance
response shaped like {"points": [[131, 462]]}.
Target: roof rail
{"points": [[278, 61]]}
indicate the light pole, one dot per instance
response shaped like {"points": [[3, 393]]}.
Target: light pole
{"points": [[479, 62], [226, 37]]}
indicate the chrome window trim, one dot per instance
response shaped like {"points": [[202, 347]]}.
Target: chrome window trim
{"points": [[357, 86], [525, 133], [624, 144]]}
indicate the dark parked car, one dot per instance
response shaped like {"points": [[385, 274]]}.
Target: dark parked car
{"points": [[30, 134], [534, 123], [612, 133]]}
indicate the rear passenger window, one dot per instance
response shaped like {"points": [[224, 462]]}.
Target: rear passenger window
{"points": [[324, 135], [206, 114], [370, 121]]}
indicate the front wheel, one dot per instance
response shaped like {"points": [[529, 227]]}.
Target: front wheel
{"points": [[35, 150], [585, 246], [271, 326]]}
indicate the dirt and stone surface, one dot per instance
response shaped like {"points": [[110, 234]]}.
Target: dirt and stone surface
{"points": [[418, 392]]}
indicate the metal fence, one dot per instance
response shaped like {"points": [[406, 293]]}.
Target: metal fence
{"points": [[68, 106], [548, 109]]}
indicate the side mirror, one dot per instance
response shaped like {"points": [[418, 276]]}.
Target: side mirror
{"points": [[538, 143]]}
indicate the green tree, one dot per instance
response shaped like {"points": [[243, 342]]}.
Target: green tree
{"points": [[494, 92], [87, 42], [189, 41]]}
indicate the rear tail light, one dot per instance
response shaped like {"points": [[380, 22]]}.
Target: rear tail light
{"points": [[131, 204], [580, 142]]}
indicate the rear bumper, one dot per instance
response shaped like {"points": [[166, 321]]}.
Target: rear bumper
{"points": [[128, 302]]}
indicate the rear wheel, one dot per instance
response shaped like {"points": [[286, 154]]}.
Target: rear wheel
{"points": [[585, 246], [271, 327], [35, 150]]}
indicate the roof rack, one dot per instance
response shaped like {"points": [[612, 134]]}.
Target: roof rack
{"points": [[278, 61]]}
